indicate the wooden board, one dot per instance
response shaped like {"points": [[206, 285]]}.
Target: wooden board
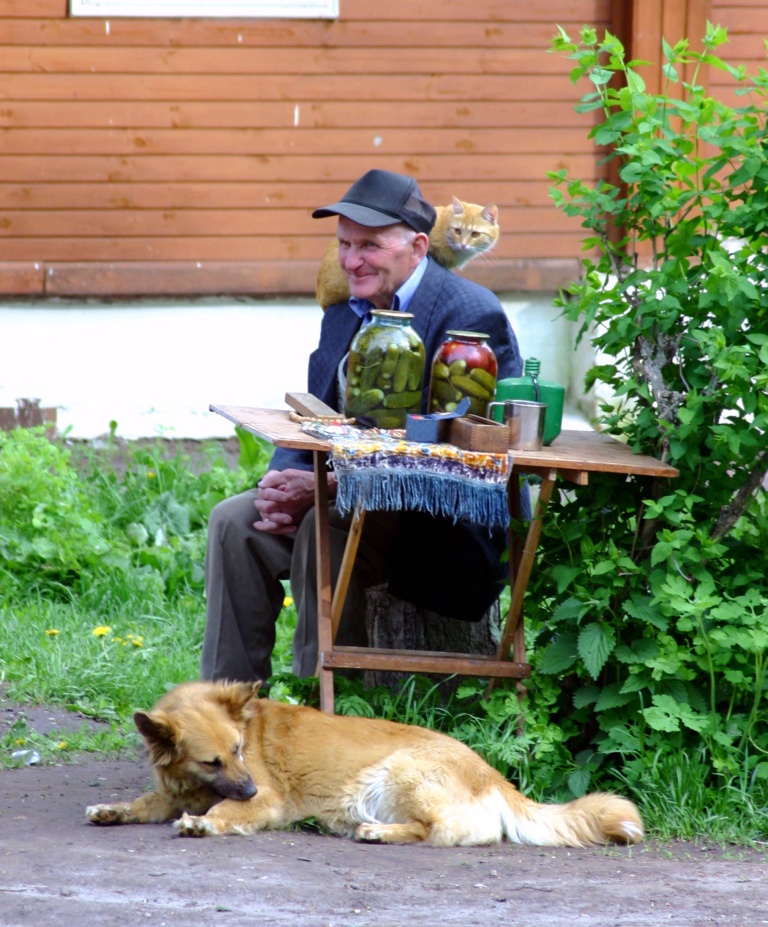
{"points": [[587, 451], [158, 141], [273, 425], [591, 451], [308, 405]]}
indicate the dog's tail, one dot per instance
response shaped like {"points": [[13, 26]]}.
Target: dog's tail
{"points": [[595, 819]]}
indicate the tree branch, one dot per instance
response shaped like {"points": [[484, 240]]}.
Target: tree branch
{"points": [[730, 514]]}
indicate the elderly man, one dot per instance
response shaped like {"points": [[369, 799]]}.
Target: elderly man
{"points": [[266, 534]]}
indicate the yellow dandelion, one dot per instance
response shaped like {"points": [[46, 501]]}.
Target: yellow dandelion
{"points": [[150, 474], [52, 632], [19, 742], [287, 602], [101, 630], [61, 745]]}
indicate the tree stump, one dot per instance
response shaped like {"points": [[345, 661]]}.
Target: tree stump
{"points": [[28, 414], [394, 624]]}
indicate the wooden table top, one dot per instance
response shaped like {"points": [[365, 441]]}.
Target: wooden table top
{"points": [[571, 453]]}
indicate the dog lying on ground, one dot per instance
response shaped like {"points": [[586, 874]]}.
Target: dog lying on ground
{"points": [[226, 762]]}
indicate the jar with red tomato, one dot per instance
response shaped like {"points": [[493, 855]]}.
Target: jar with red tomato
{"points": [[463, 365]]}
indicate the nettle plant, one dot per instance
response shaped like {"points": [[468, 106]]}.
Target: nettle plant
{"points": [[651, 609]]}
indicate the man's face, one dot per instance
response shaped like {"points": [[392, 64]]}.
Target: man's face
{"points": [[376, 262]]}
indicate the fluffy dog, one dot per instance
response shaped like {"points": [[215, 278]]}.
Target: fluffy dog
{"points": [[226, 762]]}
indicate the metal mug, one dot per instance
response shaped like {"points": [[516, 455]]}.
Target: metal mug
{"points": [[525, 419]]}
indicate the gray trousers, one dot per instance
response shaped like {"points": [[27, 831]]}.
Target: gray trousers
{"points": [[243, 569]]}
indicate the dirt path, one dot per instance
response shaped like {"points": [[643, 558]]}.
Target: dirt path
{"points": [[55, 870]]}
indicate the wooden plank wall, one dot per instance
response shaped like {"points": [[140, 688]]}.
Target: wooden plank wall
{"points": [[747, 24], [172, 156], [644, 22]]}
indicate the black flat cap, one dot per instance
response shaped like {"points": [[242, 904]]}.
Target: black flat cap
{"points": [[382, 198]]}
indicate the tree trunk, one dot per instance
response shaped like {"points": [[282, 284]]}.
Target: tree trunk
{"points": [[393, 624]]}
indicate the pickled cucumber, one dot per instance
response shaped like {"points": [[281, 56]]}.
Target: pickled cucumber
{"points": [[362, 404], [402, 400], [440, 370], [484, 378], [390, 360], [445, 391], [400, 376], [415, 370], [388, 418], [470, 387]]}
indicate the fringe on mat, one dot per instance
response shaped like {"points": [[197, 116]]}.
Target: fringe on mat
{"points": [[388, 490]]}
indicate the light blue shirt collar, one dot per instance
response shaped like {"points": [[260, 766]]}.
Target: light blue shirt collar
{"points": [[404, 295]]}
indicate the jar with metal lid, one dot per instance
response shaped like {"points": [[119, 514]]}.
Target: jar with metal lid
{"points": [[463, 365], [385, 370]]}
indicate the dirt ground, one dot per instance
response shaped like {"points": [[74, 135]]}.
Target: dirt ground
{"points": [[56, 869]]}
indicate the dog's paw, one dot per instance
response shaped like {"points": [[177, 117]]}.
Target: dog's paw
{"points": [[105, 814], [192, 825], [369, 832]]}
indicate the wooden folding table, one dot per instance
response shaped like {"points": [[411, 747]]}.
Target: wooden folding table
{"points": [[573, 456]]}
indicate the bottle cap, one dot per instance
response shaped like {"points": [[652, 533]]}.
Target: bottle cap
{"points": [[532, 366]]}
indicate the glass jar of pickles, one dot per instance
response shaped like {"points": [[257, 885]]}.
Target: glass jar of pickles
{"points": [[463, 365], [385, 370]]}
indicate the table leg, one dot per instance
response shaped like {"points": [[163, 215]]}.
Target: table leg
{"points": [[522, 573], [347, 563], [324, 606], [342, 580]]}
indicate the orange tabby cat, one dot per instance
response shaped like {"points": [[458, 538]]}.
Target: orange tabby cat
{"points": [[462, 232]]}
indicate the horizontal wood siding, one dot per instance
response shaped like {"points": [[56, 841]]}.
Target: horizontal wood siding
{"points": [[182, 156], [747, 24]]}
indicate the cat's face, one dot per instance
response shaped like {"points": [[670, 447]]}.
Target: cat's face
{"points": [[470, 230], [377, 261]]}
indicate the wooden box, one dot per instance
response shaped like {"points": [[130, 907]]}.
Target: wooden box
{"points": [[475, 433]]}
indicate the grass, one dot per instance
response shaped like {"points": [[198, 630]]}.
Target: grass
{"points": [[102, 603], [102, 610]]}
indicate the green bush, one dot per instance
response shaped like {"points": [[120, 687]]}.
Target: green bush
{"points": [[101, 567], [49, 529], [649, 616]]}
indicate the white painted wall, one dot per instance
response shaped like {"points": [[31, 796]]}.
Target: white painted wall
{"points": [[155, 366]]}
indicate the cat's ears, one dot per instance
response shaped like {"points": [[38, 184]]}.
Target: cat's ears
{"points": [[491, 214]]}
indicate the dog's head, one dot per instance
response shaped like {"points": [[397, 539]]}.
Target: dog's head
{"points": [[195, 736]]}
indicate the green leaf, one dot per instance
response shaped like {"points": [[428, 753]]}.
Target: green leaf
{"points": [[661, 552], [563, 577], [661, 720], [587, 695], [595, 643], [670, 72], [571, 609], [559, 655], [612, 696], [603, 567], [638, 651], [578, 781], [635, 83]]}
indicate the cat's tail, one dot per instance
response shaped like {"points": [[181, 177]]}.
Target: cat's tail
{"points": [[592, 820]]}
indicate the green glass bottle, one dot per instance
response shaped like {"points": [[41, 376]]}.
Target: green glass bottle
{"points": [[531, 386]]}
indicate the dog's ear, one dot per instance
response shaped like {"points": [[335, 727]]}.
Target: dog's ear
{"points": [[239, 698], [159, 735]]}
